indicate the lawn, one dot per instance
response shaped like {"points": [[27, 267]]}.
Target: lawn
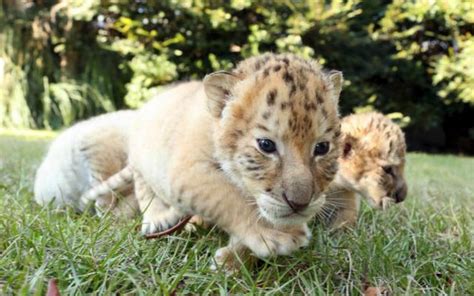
{"points": [[423, 246]]}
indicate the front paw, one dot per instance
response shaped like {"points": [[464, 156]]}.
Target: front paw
{"points": [[159, 221], [195, 223], [226, 259], [280, 242]]}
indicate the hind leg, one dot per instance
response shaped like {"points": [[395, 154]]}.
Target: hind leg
{"points": [[122, 204], [157, 215], [103, 160], [127, 204]]}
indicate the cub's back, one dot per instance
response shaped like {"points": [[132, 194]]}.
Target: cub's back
{"points": [[65, 172], [163, 122]]}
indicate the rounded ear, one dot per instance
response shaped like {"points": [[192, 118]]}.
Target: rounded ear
{"points": [[336, 79], [348, 143], [218, 87]]}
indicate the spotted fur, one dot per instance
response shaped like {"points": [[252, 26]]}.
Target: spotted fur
{"points": [[372, 165], [195, 151]]}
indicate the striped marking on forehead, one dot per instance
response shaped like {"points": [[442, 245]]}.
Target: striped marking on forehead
{"points": [[299, 116]]}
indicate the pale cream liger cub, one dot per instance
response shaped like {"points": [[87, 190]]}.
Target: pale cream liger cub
{"points": [[251, 150]]}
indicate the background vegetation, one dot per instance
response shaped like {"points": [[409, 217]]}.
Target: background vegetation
{"points": [[61, 61]]}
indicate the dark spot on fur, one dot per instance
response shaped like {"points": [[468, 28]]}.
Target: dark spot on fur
{"points": [[291, 123], [293, 90], [232, 147], [253, 168], [310, 106], [262, 127], [266, 115], [324, 112], [271, 97], [283, 106], [287, 77], [216, 166], [266, 72], [268, 190], [85, 149], [319, 98], [277, 68]]}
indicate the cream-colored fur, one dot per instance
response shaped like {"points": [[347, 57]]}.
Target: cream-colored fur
{"points": [[82, 157], [196, 150], [371, 165]]}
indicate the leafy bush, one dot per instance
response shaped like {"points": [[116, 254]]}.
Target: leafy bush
{"points": [[412, 59]]}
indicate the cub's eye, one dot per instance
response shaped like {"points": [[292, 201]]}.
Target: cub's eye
{"points": [[388, 170], [321, 148], [266, 145]]}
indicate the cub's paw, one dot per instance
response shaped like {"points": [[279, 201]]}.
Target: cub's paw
{"points": [[231, 258], [196, 222], [280, 242], [158, 222], [226, 260]]}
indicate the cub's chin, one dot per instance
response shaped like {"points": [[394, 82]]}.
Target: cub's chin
{"points": [[280, 214]]}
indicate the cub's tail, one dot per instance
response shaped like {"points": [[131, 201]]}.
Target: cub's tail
{"points": [[120, 181]]}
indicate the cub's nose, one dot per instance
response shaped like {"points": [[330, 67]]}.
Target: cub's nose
{"points": [[296, 207], [400, 193]]}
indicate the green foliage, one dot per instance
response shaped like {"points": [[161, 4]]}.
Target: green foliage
{"points": [[436, 36], [455, 73], [149, 71], [412, 59], [53, 72]]}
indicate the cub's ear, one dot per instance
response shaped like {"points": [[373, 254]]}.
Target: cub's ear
{"points": [[218, 87], [336, 79], [348, 143]]}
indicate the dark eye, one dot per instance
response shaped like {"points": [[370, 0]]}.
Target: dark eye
{"points": [[266, 145], [388, 170], [321, 148]]}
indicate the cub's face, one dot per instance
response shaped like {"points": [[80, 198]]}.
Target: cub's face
{"points": [[373, 159], [278, 137]]}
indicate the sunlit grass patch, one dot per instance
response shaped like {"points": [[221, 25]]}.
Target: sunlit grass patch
{"points": [[422, 246]]}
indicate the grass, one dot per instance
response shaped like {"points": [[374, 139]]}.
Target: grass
{"points": [[423, 246]]}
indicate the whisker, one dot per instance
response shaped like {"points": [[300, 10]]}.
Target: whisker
{"points": [[331, 193], [341, 207]]}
